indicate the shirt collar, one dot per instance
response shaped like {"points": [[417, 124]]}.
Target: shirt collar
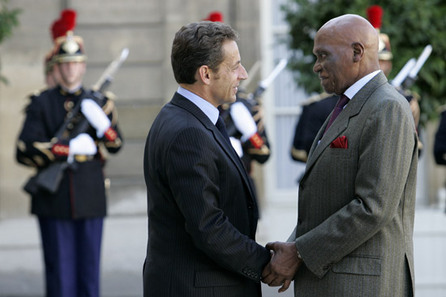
{"points": [[351, 92], [209, 110]]}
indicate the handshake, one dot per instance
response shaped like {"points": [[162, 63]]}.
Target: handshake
{"points": [[284, 263]]}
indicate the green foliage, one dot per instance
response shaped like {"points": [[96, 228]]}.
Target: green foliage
{"points": [[410, 24], [8, 20]]}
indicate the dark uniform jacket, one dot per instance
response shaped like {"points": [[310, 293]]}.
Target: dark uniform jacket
{"points": [[81, 193], [310, 121], [201, 208]]}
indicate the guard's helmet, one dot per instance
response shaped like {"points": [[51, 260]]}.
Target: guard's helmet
{"points": [[67, 46]]}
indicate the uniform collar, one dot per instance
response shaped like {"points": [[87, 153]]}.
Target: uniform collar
{"points": [[74, 92]]}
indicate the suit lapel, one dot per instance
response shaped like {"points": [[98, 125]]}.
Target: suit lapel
{"points": [[341, 123], [186, 104]]}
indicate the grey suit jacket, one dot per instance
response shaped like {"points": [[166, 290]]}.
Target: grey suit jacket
{"points": [[202, 210], [356, 203]]}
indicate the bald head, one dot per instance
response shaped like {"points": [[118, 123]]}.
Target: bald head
{"points": [[348, 43], [353, 28]]}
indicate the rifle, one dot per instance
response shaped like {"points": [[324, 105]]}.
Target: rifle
{"points": [[107, 77], [408, 74], [263, 84], [49, 178]]}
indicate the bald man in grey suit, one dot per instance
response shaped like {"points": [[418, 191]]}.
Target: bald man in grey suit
{"points": [[356, 198]]}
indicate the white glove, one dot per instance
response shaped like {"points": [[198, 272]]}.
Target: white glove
{"points": [[95, 116], [82, 144], [243, 120], [237, 145]]}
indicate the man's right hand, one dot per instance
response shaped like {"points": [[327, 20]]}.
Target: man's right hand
{"points": [[283, 266]]}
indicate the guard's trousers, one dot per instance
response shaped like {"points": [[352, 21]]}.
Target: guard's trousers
{"points": [[71, 252]]}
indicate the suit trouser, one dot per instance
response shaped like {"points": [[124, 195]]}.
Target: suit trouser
{"points": [[71, 251]]}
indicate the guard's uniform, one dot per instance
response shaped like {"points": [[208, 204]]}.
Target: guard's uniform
{"points": [[71, 219], [81, 193]]}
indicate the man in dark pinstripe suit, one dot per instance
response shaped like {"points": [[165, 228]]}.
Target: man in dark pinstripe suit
{"points": [[357, 195], [201, 205]]}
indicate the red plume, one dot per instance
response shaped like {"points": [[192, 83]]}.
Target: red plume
{"points": [[215, 16], [69, 17], [374, 14], [57, 29], [65, 23]]}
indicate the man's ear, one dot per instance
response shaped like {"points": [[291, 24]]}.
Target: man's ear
{"points": [[358, 51], [204, 74]]}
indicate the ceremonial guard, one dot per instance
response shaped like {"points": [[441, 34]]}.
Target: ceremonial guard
{"points": [[71, 129]]}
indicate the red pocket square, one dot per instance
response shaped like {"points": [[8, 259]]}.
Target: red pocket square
{"points": [[340, 142]]}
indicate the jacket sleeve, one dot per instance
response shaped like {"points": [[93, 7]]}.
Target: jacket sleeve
{"points": [[33, 147], [114, 140]]}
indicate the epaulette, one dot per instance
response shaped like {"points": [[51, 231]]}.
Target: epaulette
{"points": [[36, 93], [110, 95]]}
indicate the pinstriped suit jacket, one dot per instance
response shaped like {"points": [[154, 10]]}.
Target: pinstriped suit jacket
{"points": [[356, 205], [202, 210]]}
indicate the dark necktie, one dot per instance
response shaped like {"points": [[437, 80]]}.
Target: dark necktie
{"points": [[222, 128], [337, 110]]}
